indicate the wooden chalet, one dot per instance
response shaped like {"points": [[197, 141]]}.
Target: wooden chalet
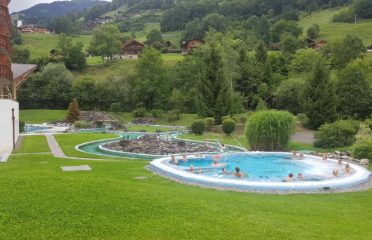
{"points": [[188, 46], [100, 119], [132, 48]]}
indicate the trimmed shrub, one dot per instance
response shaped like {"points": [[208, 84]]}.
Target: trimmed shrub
{"points": [[228, 126], [198, 127], [22, 126], [157, 113], [210, 122], [363, 150], [81, 124], [270, 130], [139, 112], [337, 134]]}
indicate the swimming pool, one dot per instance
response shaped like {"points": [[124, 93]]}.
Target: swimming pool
{"points": [[34, 128], [263, 171], [98, 147]]}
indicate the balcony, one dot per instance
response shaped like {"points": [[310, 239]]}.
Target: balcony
{"points": [[5, 46], [6, 75]]}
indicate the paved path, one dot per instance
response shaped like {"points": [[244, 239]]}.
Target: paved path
{"points": [[303, 136], [58, 152], [54, 147]]}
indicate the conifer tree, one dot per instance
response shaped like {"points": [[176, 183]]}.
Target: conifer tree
{"points": [[214, 91], [73, 111], [320, 97]]}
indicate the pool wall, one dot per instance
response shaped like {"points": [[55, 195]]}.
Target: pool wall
{"points": [[102, 151], [161, 167]]}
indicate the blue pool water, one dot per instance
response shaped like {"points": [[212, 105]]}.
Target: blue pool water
{"points": [[29, 128], [264, 167]]}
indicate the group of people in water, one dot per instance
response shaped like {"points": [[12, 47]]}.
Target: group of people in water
{"points": [[215, 164], [346, 168], [335, 173]]}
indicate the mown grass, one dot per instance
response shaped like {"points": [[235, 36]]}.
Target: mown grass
{"points": [[68, 142], [331, 31], [33, 144], [39, 201], [41, 115], [40, 45]]}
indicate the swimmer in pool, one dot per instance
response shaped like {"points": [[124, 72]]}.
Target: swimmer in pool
{"points": [[301, 156], [324, 158], [335, 172], [191, 169], [224, 171], [347, 168], [184, 158], [294, 154], [339, 162], [290, 178], [237, 172], [300, 177], [174, 160]]}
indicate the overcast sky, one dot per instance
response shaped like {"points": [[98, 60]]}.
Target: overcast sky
{"points": [[18, 5]]}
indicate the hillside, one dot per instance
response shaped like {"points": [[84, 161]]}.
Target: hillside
{"points": [[331, 31], [57, 9]]}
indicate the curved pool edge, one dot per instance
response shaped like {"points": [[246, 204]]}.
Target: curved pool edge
{"points": [[354, 182], [105, 152]]}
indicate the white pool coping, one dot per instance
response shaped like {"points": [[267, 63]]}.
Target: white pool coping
{"points": [[359, 175]]}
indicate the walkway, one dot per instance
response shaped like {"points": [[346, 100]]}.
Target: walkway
{"points": [[54, 147], [58, 152], [303, 136]]}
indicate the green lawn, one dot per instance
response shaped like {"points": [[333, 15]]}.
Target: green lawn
{"points": [[41, 115], [331, 31], [69, 141], [33, 144], [39, 201], [40, 45]]}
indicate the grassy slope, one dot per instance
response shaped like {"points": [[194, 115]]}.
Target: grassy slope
{"points": [[41, 44], [109, 203], [34, 144], [332, 31], [41, 115]]}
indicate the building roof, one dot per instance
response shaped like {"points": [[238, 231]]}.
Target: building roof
{"points": [[20, 70], [129, 42]]}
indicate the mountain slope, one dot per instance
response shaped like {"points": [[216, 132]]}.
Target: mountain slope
{"points": [[57, 9], [330, 30]]}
